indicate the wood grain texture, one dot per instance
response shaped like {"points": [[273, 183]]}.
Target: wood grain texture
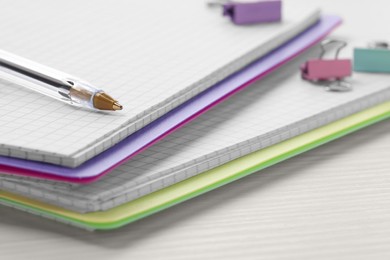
{"points": [[329, 203]]}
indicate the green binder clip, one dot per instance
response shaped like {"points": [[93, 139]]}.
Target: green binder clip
{"points": [[375, 58]]}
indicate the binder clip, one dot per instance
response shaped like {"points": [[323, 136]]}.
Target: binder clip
{"points": [[251, 12], [375, 58], [329, 73]]}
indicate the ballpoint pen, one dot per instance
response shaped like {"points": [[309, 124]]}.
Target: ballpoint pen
{"points": [[53, 83]]}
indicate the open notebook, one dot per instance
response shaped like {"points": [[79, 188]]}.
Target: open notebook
{"points": [[151, 61], [273, 110]]}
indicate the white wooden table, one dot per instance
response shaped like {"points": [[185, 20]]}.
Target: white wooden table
{"points": [[330, 203]]}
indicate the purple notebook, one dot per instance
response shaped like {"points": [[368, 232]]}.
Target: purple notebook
{"points": [[103, 163]]}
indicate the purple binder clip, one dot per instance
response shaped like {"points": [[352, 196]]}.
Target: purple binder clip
{"points": [[329, 73], [253, 12]]}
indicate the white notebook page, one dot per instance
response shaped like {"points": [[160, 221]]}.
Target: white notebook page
{"points": [[272, 110], [150, 55]]}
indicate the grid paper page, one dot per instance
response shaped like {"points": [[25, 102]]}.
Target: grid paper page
{"points": [[275, 109], [149, 57]]}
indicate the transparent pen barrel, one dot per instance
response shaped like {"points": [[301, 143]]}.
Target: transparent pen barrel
{"points": [[45, 80]]}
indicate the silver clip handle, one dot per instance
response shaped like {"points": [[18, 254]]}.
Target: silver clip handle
{"points": [[379, 45], [328, 42]]}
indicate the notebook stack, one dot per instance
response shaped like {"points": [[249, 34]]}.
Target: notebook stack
{"points": [[105, 170]]}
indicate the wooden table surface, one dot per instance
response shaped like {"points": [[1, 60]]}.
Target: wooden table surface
{"points": [[330, 203]]}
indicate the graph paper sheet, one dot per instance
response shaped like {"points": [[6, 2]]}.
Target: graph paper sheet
{"points": [[209, 180], [136, 52], [275, 109], [100, 164]]}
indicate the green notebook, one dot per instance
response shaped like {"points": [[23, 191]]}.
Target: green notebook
{"points": [[195, 186]]}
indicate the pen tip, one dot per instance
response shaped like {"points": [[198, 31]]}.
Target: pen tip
{"points": [[103, 101], [117, 106]]}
